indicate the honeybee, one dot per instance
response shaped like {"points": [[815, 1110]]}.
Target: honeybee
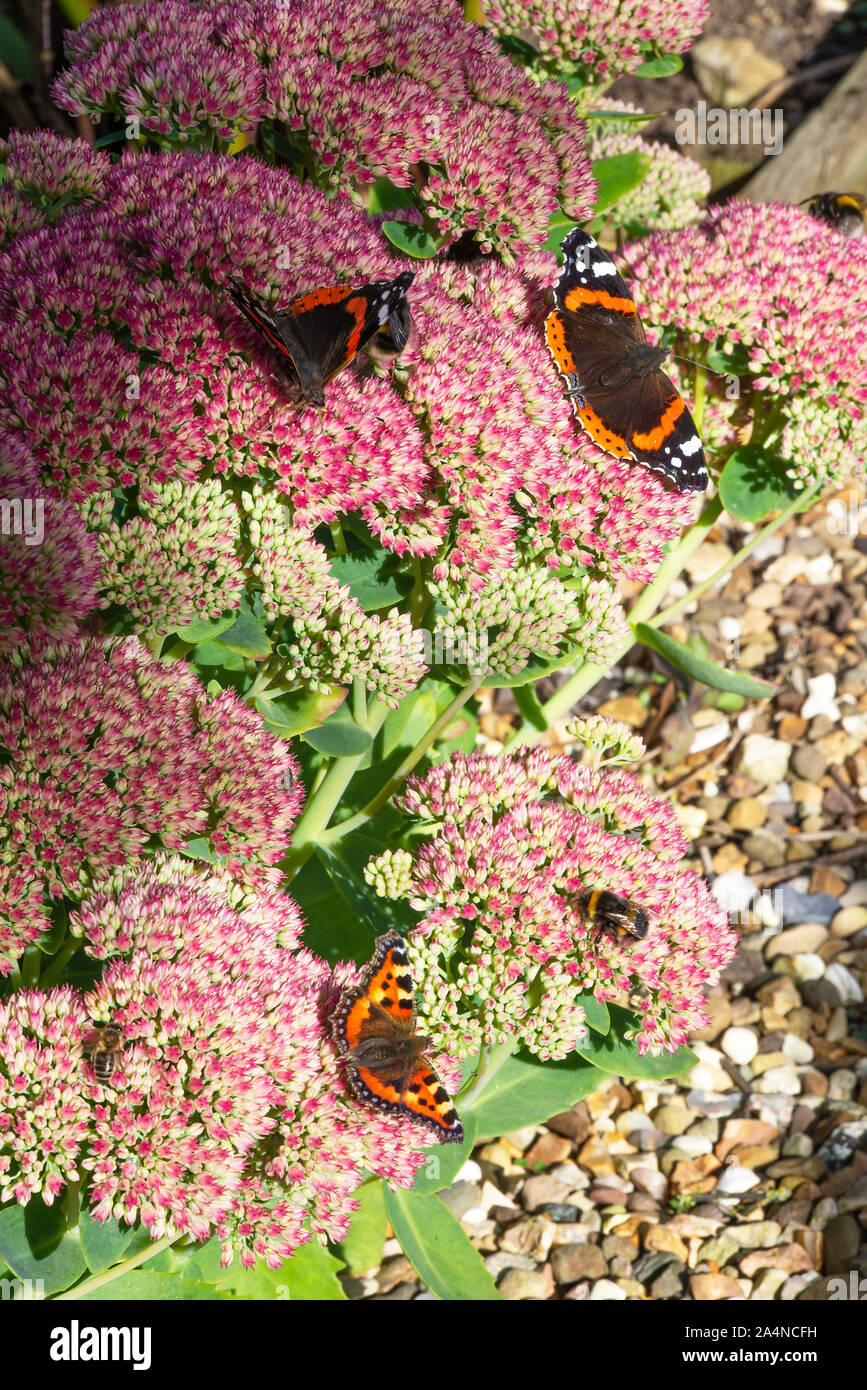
{"points": [[845, 212], [608, 913], [104, 1051]]}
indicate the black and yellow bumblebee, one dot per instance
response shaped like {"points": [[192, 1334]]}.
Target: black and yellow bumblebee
{"points": [[607, 913], [845, 212], [105, 1048]]}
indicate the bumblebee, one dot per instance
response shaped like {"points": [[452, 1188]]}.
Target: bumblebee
{"points": [[845, 212], [104, 1052], [609, 914]]}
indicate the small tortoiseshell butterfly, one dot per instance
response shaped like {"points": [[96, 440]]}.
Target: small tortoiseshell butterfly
{"points": [[620, 395], [319, 333], [374, 1029]]}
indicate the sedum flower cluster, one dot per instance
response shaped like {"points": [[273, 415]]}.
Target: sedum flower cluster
{"points": [[503, 946]]}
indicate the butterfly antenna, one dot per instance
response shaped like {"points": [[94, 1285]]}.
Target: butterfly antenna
{"points": [[692, 361]]}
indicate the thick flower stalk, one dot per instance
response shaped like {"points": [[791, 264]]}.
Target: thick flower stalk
{"points": [[597, 40], [228, 1111], [148, 402], [504, 948], [104, 752], [789, 294], [412, 94]]}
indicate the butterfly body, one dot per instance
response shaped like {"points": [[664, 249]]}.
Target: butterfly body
{"points": [[621, 397], [374, 1029], [319, 333]]}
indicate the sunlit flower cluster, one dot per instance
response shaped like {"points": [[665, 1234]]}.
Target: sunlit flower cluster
{"points": [[788, 293], [143, 395], [228, 1111], [504, 948], [363, 92], [106, 752], [597, 40]]}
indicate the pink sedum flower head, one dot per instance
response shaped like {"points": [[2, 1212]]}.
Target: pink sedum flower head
{"points": [[504, 948], [44, 174], [599, 40], [363, 92], [227, 1112], [106, 751], [790, 293], [49, 566], [145, 397]]}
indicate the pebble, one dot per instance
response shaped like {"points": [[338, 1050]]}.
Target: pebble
{"points": [[569, 1263], [845, 983], [748, 814], [821, 700], [842, 1239], [794, 941], [668, 1284], [706, 1103], [801, 968], [765, 760], [606, 1289], [856, 1198], [541, 1189], [501, 1260], [796, 1285], [735, 1179], [753, 1235], [740, 1045], [461, 1197], [798, 907], [767, 1283], [842, 1084], [711, 1288], [797, 1049], [517, 1284], [672, 1119]]}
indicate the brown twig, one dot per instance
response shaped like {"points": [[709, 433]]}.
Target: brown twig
{"points": [[768, 877], [827, 68]]}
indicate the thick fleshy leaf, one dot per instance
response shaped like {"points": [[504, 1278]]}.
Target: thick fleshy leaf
{"points": [[595, 1012], [666, 65], [248, 636], [339, 736], [148, 1286], [438, 1249], [385, 196], [207, 628], [300, 710], [700, 668], [412, 240], [36, 1245], [618, 174], [525, 1091], [618, 1058], [754, 483], [371, 578], [361, 1247], [103, 1242]]}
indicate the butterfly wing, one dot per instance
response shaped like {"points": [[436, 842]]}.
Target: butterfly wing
{"points": [[597, 342], [334, 324], [279, 335], [369, 1023]]}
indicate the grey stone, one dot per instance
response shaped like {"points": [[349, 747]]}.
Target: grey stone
{"points": [[501, 1260], [668, 1284], [799, 907], [842, 1239], [460, 1197]]}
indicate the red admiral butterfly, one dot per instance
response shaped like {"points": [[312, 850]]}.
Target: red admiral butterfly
{"points": [[845, 212], [319, 333], [374, 1028], [622, 399]]}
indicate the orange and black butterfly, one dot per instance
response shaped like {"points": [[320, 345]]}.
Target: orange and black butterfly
{"points": [[374, 1029], [610, 915], [319, 333]]}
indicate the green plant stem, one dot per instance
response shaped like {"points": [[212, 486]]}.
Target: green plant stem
{"points": [[587, 675], [325, 800], [65, 953], [116, 1272], [30, 967], [367, 813], [675, 609]]}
